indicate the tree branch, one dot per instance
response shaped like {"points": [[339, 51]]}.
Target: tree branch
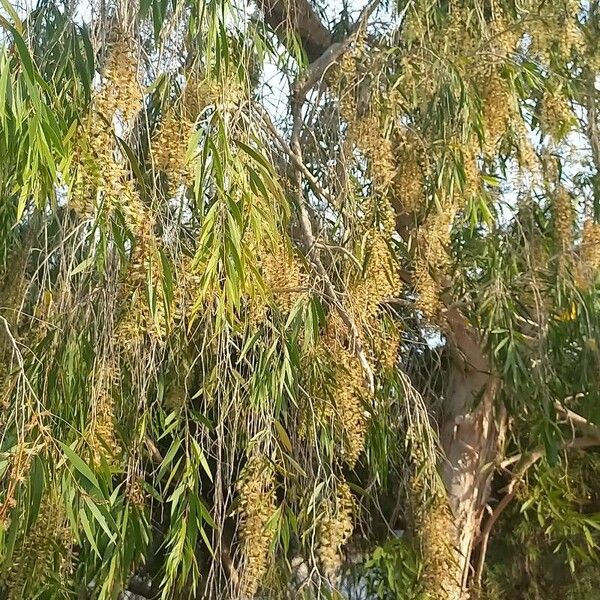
{"points": [[317, 69], [297, 160], [296, 18], [524, 463], [312, 252], [572, 418], [576, 420]]}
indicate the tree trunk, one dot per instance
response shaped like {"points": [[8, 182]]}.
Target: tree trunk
{"points": [[470, 437]]}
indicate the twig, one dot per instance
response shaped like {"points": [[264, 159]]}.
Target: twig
{"points": [[297, 160], [343, 250], [485, 534], [526, 461], [314, 257]]}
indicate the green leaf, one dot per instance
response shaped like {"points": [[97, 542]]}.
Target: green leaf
{"points": [[36, 488], [201, 458], [283, 436], [100, 518], [168, 459], [23, 55], [84, 265], [79, 464], [88, 532], [8, 7]]}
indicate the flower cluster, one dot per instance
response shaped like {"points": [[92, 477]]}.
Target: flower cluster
{"points": [[257, 503], [334, 528]]}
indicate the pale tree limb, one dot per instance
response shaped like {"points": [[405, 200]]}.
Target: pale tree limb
{"points": [[576, 420]]}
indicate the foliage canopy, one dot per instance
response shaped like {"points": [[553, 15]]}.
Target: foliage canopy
{"points": [[251, 290]]}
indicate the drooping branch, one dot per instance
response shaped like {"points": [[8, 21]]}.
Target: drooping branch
{"points": [[298, 18], [313, 254]]}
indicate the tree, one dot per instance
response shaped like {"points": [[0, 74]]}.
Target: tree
{"points": [[277, 283]]}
